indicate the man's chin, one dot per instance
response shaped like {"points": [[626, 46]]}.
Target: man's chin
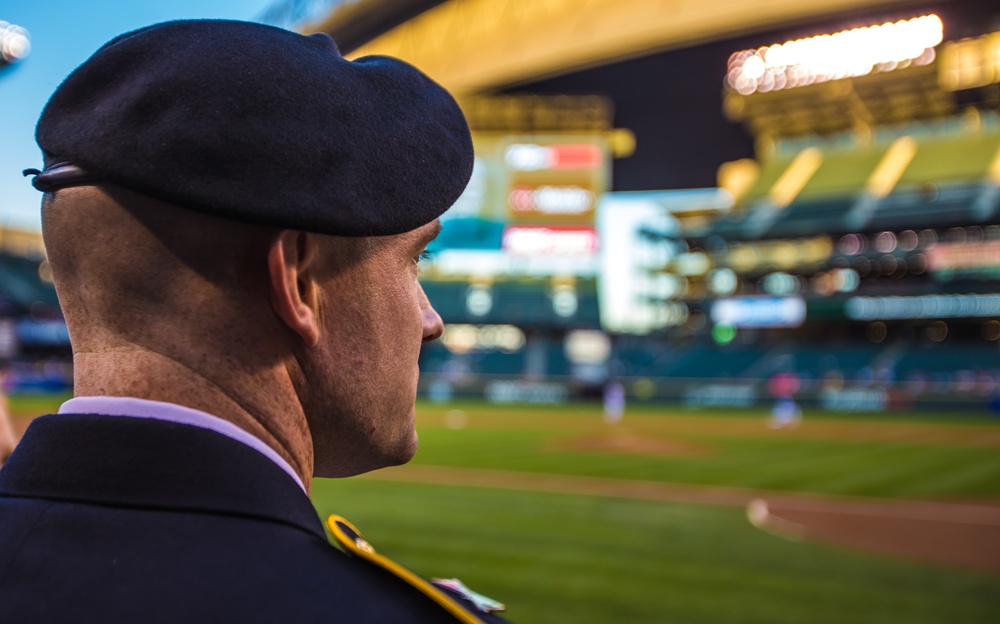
{"points": [[377, 458], [406, 451]]}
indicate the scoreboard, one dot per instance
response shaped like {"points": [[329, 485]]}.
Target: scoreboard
{"points": [[528, 211], [527, 216]]}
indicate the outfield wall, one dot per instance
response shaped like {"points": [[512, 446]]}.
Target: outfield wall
{"points": [[695, 393]]}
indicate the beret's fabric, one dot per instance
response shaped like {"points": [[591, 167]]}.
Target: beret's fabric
{"points": [[262, 125]]}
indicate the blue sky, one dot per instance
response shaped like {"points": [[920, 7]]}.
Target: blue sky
{"points": [[64, 33]]}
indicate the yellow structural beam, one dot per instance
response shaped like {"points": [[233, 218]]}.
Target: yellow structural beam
{"points": [[888, 172], [475, 45], [795, 178]]}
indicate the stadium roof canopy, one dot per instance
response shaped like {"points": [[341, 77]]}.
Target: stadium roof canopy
{"points": [[477, 45]]}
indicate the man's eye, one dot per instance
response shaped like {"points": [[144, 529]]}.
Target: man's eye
{"points": [[424, 255]]}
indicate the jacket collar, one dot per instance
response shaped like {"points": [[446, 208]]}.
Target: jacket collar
{"points": [[152, 464]]}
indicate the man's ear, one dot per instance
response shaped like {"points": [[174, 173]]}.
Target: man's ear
{"points": [[291, 260]]}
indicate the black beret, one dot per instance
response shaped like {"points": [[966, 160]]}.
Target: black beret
{"points": [[261, 125]]}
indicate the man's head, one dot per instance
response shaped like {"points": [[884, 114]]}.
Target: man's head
{"points": [[361, 316], [237, 198]]}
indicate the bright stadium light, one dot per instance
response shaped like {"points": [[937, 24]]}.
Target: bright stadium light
{"points": [[14, 43], [846, 54]]}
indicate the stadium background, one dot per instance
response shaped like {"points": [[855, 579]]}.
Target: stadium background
{"points": [[654, 212]]}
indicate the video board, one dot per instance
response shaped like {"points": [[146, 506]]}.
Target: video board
{"points": [[524, 230], [528, 211]]}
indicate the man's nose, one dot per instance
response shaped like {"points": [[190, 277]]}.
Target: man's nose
{"points": [[433, 325]]}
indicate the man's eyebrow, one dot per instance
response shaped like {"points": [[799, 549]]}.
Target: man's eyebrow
{"points": [[431, 234]]}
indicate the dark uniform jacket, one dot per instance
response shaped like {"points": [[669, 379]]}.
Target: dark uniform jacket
{"points": [[116, 519]]}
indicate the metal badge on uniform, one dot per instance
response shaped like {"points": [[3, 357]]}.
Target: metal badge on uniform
{"points": [[483, 603]]}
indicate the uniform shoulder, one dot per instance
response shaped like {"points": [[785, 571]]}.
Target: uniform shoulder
{"points": [[451, 595]]}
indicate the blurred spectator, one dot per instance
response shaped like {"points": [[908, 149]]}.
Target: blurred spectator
{"points": [[614, 402], [786, 413]]}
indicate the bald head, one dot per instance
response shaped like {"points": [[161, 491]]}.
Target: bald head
{"points": [[133, 270]]}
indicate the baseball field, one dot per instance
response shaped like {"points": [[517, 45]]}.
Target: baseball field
{"points": [[674, 515]]}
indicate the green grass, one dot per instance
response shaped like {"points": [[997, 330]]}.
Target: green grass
{"points": [[724, 454], [587, 559], [26, 405]]}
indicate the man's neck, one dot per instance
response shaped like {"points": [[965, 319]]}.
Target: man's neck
{"points": [[265, 405]]}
